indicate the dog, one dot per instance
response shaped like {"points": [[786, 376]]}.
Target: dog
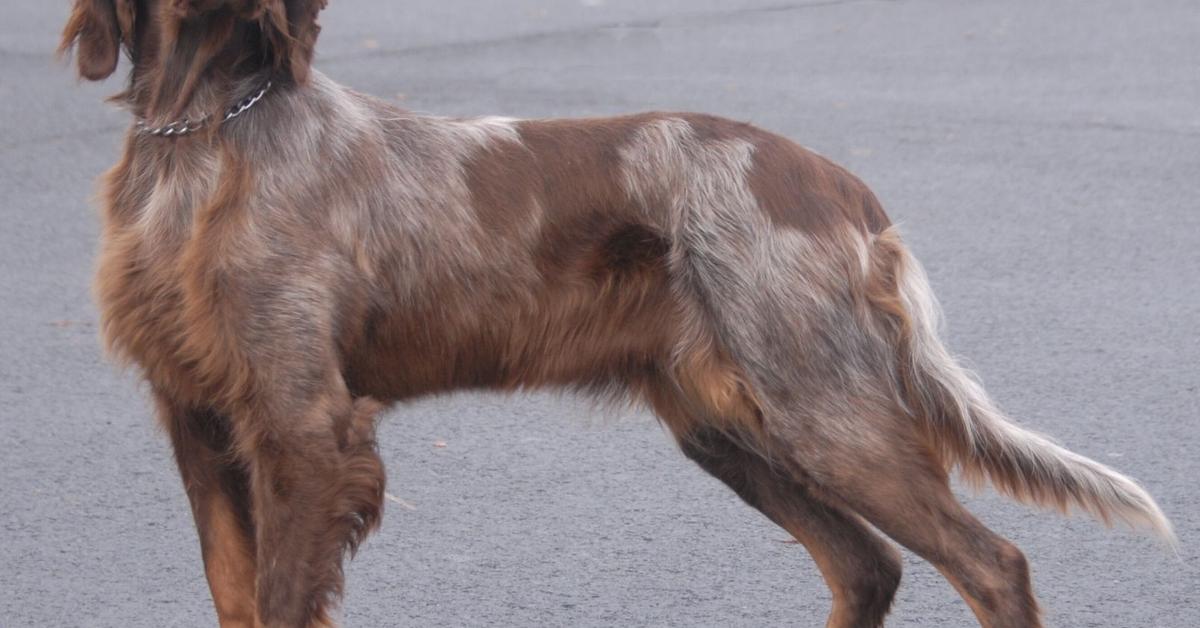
{"points": [[283, 257]]}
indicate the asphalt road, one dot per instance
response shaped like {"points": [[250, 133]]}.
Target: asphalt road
{"points": [[1043, 157]]}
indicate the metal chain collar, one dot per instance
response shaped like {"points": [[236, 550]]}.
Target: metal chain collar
{"points": [[185, 126]]}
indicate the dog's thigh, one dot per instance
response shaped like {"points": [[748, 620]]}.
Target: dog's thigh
{"points": [[217, 488], [861, 569]]}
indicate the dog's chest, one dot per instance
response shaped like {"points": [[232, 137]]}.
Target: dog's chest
{"points": [[143, 270]]}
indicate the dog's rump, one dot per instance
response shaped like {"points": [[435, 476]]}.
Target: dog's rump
{"points": [[812, 293]]}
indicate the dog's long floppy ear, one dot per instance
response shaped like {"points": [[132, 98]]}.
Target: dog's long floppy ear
{"points": [[291, 29], [97, 29]]}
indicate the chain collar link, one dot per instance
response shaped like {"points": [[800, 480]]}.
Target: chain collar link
{"points": [[185, 126]]}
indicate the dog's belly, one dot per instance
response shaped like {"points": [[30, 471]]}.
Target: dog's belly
{"points": [[604, 317]]}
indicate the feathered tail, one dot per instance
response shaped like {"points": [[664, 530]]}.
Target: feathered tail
{"points": [[970, 432]]}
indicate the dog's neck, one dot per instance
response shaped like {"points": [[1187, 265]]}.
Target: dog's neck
{"points": [[201, 73], [187, 126]]}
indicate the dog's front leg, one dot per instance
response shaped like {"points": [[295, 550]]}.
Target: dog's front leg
{"points": [[262, 304], [317, 487], [218, 489]]}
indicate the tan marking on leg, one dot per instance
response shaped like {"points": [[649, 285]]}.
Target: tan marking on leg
{"points": [[229, 564]]}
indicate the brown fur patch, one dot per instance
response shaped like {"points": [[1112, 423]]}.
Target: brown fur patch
{"points": [[802, 190]]}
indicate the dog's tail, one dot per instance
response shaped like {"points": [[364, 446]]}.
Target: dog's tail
{"points": [[966, 427]]}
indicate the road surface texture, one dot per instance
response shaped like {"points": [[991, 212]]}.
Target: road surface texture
{"points": [[1042, 157]]}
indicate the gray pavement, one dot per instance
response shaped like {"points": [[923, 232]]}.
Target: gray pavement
{"points": [[1044, 158]]}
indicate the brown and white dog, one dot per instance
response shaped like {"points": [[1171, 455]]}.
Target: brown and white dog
{"points": [[283, 256]]}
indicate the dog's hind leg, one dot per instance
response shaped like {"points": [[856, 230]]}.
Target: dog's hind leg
{"points": [[814, 465], [861, 569], [846, 441], [865, 461], [839, 430], [216, 485], [798, 321]]}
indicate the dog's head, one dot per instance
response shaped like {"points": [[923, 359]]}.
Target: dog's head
{"points": [[173, 43]]}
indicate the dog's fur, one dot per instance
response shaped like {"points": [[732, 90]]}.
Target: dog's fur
{"points": [[273, 276]]}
